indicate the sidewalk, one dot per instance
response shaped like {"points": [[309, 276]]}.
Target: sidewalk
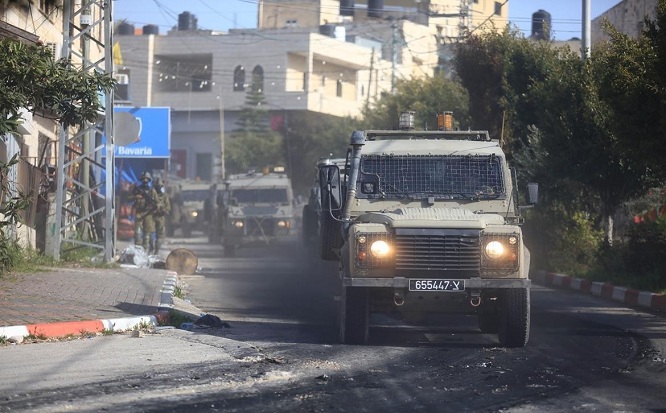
{"points": [[633, 298], [64, 301]]}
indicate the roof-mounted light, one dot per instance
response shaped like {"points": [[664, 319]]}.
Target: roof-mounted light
{"points": [[445, 121], [406, 120]]}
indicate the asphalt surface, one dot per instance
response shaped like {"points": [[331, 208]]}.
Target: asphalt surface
{"points": [[68, 301]]}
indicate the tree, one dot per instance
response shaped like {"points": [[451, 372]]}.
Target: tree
{"points": [[31, 80], [426, 97], [632, 83], [310, 136], [253, 144]]}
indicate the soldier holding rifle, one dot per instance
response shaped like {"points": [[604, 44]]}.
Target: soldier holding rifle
{"points": [[163, 210], [145, 207]]}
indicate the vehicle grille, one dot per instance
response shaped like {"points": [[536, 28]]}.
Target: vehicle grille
{"points": [[437, 250], [259, 226]]}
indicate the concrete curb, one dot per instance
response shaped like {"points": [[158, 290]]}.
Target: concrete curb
{"points": [[61, 329], [628, 296]]}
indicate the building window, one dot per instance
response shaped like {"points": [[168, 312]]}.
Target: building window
{"points": [[239, 79], [184, 73], [258, 79], [498, 8], [305, 81], [46, 6], [121, 89], [338, 88]]}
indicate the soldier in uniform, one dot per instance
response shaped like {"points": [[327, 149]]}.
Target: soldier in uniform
{"points": [[145, 207], [163, 210]]}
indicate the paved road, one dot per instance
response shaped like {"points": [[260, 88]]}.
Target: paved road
{"points": [[280, 355]]}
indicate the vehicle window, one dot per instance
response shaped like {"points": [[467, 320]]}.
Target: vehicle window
{"points": [[270, 195], [190, 195]]}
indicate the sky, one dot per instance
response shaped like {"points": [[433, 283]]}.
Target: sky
{"points": [[223, 15]]}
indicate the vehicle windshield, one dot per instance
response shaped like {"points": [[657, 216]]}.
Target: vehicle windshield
{"points": [[443, 177], [265, 195], [194, 195]]}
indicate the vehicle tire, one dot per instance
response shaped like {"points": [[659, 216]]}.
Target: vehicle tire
{"points": [[308, 225], [488, 314], [355, 320], [229, 250], [330, 237], [488, 322], [514, 320], [187, 230]]}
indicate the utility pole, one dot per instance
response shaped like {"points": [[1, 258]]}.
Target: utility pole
{"points": [[394, 42], [464, 24], [85, 197], [587, 31]]}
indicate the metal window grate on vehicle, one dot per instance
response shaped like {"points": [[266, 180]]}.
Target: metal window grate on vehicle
{"points": [[430, 175]]}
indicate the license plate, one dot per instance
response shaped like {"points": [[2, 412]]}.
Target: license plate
{"points": [[436, 285]]}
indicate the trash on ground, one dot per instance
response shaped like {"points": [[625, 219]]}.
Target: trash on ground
{"points": [[135, 255], [210, 320]]}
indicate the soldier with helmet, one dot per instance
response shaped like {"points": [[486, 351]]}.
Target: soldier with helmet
{"points": [[145, 207], [163, 210]]}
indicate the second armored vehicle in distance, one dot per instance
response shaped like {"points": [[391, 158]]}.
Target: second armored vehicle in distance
{"points": [[255, 208]]}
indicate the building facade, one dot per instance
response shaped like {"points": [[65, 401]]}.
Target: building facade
{"points": [[205, 78], [627, 16]]}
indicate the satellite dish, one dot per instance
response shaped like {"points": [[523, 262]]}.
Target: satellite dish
{"points": [[126, 128]]}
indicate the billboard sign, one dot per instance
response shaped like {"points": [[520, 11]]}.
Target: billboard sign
{"points": [[142, 132]]}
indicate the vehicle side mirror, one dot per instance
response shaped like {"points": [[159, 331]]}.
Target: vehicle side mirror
{"points": [[330, 190], [532, 193]]}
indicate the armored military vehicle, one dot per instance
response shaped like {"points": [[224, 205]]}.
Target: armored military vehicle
{"points": [[427, 222], [255, 208], [311, 211], [191, 207]]}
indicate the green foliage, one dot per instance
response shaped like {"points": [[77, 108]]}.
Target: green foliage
{"points": [[27, 260], [253, 144], [563, 239], [426, 97], [83, 256], [30, 79], [310, 136], [560, 122], [11, 207], [177, 318]]}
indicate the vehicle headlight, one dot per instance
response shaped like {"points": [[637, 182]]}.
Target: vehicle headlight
{"points": [[374, 250], [283, 224], [194, 213], [501, 253], [494, 249], [238, 224], [380, 249]]}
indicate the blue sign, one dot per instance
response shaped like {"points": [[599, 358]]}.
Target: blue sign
{"points": [[142, 132]]}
